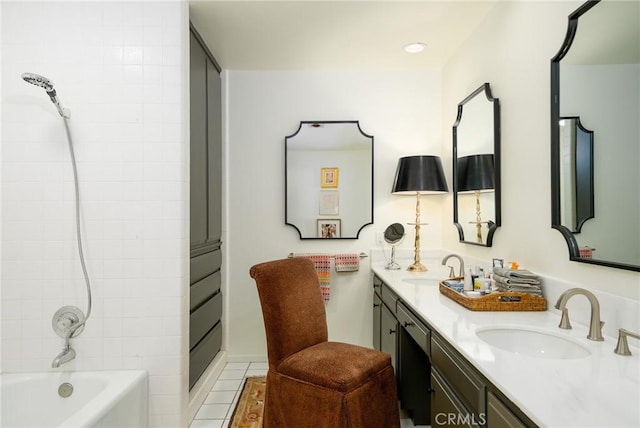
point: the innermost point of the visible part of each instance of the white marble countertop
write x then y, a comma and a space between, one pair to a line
600, 390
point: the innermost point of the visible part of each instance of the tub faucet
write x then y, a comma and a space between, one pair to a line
451, 271
64, 357
595, 325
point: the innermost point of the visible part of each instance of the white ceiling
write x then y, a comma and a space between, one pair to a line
334, 35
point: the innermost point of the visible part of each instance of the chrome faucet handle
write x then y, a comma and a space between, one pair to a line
622, 347
564, 320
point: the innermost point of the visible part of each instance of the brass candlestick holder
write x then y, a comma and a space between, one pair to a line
417, 266
478, 221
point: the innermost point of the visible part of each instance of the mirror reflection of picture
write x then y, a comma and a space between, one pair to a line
328, 228
345, 152
329, 177
329, 202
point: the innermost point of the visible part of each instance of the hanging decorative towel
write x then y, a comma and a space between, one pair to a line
322, 263
347, 262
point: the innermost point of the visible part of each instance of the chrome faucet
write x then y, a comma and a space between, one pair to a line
595, 325
64, 357
451, 271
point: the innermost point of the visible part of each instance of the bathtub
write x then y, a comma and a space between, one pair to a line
108, 399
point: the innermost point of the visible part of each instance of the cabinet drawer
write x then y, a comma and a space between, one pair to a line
204, 289
416, 329
205, 265
459, 375
204, 353
389, 298
203, 318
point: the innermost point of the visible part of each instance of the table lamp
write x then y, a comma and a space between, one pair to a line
419, 175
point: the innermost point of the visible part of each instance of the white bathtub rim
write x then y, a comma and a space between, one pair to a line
120, 383
105, 400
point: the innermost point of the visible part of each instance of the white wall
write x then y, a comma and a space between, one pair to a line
121, 70
512, 50
402, 112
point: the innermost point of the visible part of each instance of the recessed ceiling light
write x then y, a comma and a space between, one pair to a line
414, 47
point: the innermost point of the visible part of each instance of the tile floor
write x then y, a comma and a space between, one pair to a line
218, 407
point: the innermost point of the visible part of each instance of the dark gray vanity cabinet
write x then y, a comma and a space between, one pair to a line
397, 332
437, 386
205, 326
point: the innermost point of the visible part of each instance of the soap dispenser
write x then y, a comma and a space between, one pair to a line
468, 280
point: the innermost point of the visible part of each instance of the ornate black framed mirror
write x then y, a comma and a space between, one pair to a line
329, 180
476, 167
595, 137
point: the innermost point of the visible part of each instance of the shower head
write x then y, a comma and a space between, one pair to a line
36, 79
47, 85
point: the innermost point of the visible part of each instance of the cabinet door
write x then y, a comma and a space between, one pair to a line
447, 410
214, 153
377, 306
460, 375
198, 135
205, 104
499, 415
388, 334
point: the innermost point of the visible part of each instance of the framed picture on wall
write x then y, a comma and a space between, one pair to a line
329, 228
328, 178
329, 202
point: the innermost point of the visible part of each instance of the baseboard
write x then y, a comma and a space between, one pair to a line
260, 358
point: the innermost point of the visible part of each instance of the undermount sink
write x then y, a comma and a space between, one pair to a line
532, 343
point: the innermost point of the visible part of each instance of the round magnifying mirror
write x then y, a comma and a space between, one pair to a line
393, 235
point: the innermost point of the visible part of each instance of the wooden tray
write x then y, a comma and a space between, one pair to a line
497, 301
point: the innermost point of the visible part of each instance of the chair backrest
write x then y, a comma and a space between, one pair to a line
292, 306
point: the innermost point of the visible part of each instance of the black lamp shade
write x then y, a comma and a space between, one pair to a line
419, 174
475, 172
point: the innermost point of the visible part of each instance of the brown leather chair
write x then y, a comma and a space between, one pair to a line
312, 382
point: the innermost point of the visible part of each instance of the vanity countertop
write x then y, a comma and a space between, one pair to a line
600, 390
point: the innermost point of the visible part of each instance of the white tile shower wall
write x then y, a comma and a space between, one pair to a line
120, 67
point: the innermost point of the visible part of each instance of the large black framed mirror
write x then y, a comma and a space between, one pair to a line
595, 95
329, 179
476, 167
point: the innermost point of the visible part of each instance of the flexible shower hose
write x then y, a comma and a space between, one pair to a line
87, 282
